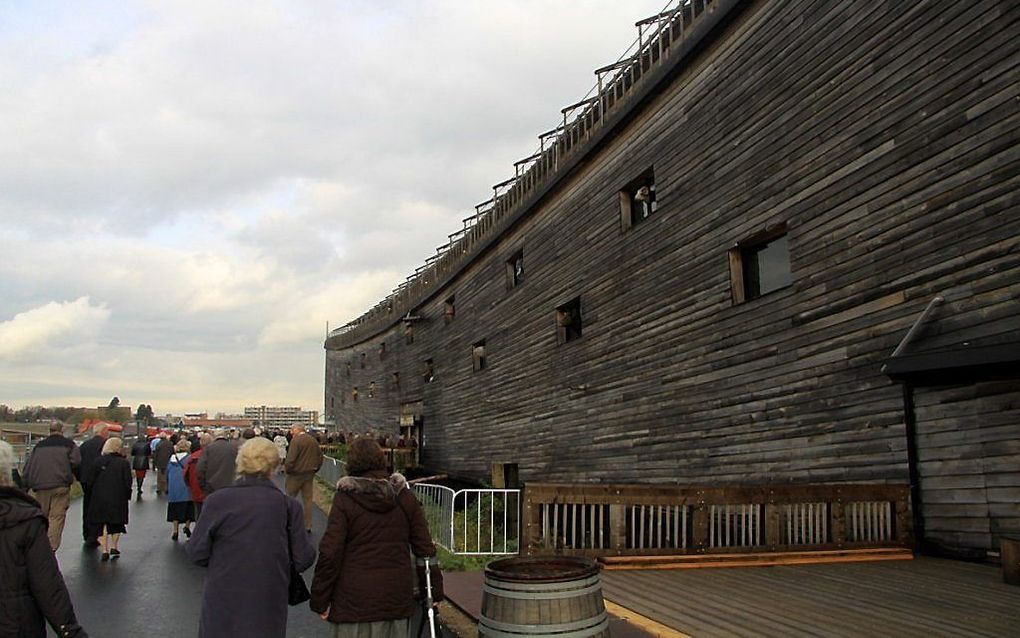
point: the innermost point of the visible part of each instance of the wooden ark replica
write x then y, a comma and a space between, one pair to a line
703, 273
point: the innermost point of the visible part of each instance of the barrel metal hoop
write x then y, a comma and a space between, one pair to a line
585, 623
542, 595
583, 633
505, 585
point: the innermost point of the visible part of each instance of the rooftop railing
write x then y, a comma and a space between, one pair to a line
616, 83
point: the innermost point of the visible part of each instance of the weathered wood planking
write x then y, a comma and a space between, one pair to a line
885, 136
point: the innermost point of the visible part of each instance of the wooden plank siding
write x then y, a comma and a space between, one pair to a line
968, 441
885, 136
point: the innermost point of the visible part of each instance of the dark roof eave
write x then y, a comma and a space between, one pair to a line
957, 365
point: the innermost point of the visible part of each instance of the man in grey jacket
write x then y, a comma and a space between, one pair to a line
50, 473
216, 467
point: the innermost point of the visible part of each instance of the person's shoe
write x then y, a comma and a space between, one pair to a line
114, 553
105, 557
187, 532
173, 537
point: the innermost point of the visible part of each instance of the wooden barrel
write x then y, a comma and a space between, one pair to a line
554, 596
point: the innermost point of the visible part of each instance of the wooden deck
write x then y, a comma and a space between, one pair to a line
923, 597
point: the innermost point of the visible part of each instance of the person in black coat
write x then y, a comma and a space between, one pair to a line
90, 451
110, 478
33, 590
140, 452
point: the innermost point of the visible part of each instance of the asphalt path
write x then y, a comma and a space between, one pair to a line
152, 589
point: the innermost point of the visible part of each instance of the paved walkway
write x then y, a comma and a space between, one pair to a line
153, 589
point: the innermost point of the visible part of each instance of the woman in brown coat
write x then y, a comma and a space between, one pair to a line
364, 574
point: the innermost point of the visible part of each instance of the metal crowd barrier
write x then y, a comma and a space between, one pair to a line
332, 470
472, 521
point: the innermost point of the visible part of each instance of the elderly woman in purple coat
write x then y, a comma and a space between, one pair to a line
247, 535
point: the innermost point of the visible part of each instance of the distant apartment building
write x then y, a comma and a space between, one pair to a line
274, 417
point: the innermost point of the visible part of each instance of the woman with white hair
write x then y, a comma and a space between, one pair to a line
179, 507
33, 589
248, 536
110, 478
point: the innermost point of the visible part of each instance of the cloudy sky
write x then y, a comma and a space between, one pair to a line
190, 190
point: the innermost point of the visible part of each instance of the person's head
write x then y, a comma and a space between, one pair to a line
205, 439
219, 433
296, 429
184, 445
99, 430
257, 457
7, 463
56, 428
248, 434
364, 455
113, 445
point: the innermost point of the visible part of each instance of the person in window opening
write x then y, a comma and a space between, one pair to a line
363, 581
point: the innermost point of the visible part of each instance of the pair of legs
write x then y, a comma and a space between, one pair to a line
302, 484
139, 479
108, 542
177, 527
54, 504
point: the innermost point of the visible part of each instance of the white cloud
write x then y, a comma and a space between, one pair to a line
37, 330
222, 178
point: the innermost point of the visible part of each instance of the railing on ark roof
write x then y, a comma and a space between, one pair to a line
615, 83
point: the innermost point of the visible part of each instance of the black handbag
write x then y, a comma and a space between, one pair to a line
297, 590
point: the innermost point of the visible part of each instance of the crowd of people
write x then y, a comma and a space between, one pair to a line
254, 539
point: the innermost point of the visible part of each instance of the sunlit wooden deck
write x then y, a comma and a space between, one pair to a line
922, 597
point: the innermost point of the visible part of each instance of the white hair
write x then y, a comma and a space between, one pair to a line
113, 446
257, 456
7, 463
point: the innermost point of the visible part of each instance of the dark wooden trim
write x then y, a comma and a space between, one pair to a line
914, 474
942, 366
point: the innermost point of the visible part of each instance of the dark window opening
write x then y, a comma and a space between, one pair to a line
332, 402
348, 366
515, 270
449, 310
382, 349
371, 389
568, 321
396, 380
637, 200
362, 360
478, 361
428, 374
760, 265
354, 393
408, 334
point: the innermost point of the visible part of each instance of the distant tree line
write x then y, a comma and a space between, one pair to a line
75, 415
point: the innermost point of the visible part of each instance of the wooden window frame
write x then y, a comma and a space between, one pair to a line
449, 309
626, 194
512, 279
478, 358
736, 257
566, 318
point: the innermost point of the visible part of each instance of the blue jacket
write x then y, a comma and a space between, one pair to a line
177, 489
